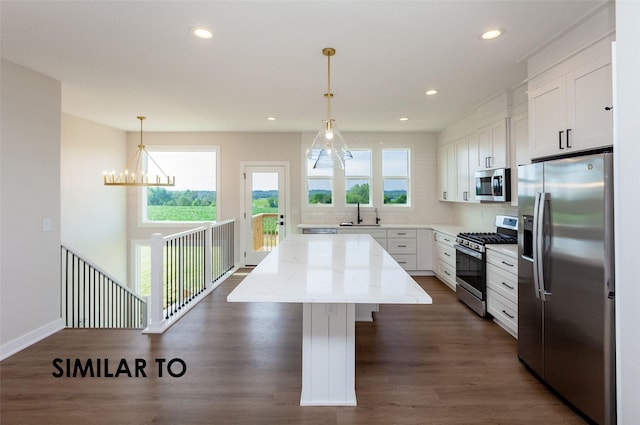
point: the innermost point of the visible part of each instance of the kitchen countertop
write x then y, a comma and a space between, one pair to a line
450, 229
329, 269
507, 249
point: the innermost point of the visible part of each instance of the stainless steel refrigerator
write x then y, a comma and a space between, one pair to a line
565, 279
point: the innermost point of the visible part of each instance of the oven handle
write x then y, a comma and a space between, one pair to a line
468, 251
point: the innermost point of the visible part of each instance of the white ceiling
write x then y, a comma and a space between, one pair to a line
120, 59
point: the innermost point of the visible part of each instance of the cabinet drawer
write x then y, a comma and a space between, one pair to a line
503, 311
503, 282
401, 246
447, 273
407, 262
445, 239
503, 261
401, 233
447, 254
349, 231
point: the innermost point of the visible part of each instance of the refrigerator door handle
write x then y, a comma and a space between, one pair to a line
535, 242
542, 199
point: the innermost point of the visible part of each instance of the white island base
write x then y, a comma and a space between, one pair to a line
328, 355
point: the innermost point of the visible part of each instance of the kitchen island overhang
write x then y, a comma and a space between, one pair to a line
329, 275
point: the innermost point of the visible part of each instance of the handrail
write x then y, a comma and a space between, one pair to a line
91, 298
185, 267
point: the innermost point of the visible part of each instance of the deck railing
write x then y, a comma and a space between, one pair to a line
185, 267
265, 231
91, 298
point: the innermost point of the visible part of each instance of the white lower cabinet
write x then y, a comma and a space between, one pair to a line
445, 258
502, 290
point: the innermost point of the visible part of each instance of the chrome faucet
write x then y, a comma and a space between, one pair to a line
359, 218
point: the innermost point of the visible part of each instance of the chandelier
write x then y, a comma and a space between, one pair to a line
328, 148
137, 177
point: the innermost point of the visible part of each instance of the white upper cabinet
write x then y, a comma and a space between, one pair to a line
492, 145
447, 172
569, 114
466, 166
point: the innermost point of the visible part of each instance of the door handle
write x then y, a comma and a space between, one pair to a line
282, 223
560, 139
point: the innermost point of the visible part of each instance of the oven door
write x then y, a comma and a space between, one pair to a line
470, 271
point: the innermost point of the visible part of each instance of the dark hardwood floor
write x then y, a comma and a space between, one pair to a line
429, 364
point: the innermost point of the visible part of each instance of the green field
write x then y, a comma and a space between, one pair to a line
179, 213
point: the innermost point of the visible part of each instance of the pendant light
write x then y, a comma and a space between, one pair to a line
328, 148
137, 176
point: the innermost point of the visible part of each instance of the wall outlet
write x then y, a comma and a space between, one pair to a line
46, 225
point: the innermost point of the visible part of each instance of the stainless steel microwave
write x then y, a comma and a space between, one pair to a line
493, 185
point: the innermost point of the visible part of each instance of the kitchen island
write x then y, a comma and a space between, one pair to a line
329, 275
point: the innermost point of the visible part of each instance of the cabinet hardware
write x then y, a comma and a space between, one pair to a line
401, 233
560, 139
507, 264
402, 262
447, 240
447, 254
447, 273
568, 144
465, 196
402, 246
444, 195
508, 286
608, 108
508, 315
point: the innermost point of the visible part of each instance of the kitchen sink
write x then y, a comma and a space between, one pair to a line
351, 224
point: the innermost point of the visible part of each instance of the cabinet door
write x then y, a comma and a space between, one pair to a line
447, 172
424, 248
474, 164
547, 118
519, 128
462, 168
498, 141
589, 91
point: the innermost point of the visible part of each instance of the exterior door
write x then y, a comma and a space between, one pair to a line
264, 224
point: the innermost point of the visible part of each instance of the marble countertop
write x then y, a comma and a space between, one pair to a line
450, 229
329, 269
507, 249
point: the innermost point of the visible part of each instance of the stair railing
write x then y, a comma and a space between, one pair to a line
185, 267
91, 298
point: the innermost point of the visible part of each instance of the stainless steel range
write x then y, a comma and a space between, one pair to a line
471, 281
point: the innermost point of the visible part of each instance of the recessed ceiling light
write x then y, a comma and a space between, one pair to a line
404, 119
202, 33
491, 34
431, 92
271, 118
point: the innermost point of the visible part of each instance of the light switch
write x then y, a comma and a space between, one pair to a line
46, 225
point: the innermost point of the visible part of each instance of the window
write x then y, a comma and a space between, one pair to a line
395, 176
193, 198
319, 185
357, 173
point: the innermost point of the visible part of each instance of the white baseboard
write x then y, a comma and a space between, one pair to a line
30, 338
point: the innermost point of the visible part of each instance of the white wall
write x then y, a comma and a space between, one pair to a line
234, 149
627, 153
93, 216
30, 188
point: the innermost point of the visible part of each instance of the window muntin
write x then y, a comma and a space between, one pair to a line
358, 178
395, 176
194, 197
319, 185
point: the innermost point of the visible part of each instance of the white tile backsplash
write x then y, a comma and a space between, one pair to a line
481, 217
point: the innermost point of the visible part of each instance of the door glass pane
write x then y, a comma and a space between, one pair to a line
264, 210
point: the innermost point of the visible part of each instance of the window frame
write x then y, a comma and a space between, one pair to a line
368, 178
407, 178
142, 191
